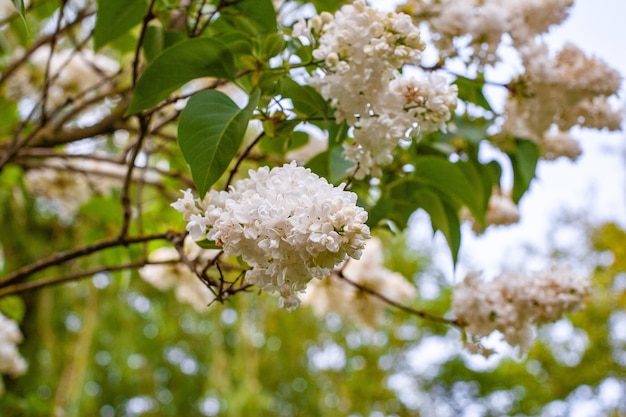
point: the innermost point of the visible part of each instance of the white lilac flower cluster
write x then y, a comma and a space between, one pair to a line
11, 362
561, 92
168, 272
363, 50
478, 26
68, 183
73, 71
501, 211
334, 294
287, 224
75, 76
513, 302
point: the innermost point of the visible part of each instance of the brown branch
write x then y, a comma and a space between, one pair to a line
407, 309
64, 256
47, 77
144, 26
125, 199
29, 286
55, 137
240, 159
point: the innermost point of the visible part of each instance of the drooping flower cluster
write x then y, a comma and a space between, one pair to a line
512, 302
478, 26
333, 294
11, 362
363, 50
501, 211
70, 182
287, 224
73, 71
168, 271
561, 92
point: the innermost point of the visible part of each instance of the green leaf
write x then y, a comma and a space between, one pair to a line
282, 142
404, 197
524, 161
13, 307
271, 45
330, 164
449, 179
307, 102
251, 16
207, 244
179, 64
471, 91
19, 5
210, 131
443, 217
116, 17
153, 42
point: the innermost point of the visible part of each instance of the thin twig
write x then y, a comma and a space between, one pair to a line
240, 159
407, 309
144, 27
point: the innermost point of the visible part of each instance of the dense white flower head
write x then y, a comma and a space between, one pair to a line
11, 362
363, 50
175, 274
288, 224
334, 294
512, 302
478, 26
560, 92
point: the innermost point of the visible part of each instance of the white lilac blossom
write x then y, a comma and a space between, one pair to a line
72, 71
11, 362
513, 302
363, 50
501, 211
167, 271
570, 89
555, 144
288, 224
67, 183
334, 294
478, 26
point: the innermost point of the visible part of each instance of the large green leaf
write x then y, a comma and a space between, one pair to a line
449, 179
307, 102
524, 162
408, 194
153, 42
116, 17
331, 164
181, 63
210, 131
471, 91
251, 16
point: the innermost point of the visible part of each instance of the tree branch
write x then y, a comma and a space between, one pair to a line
62, 257
407, 309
